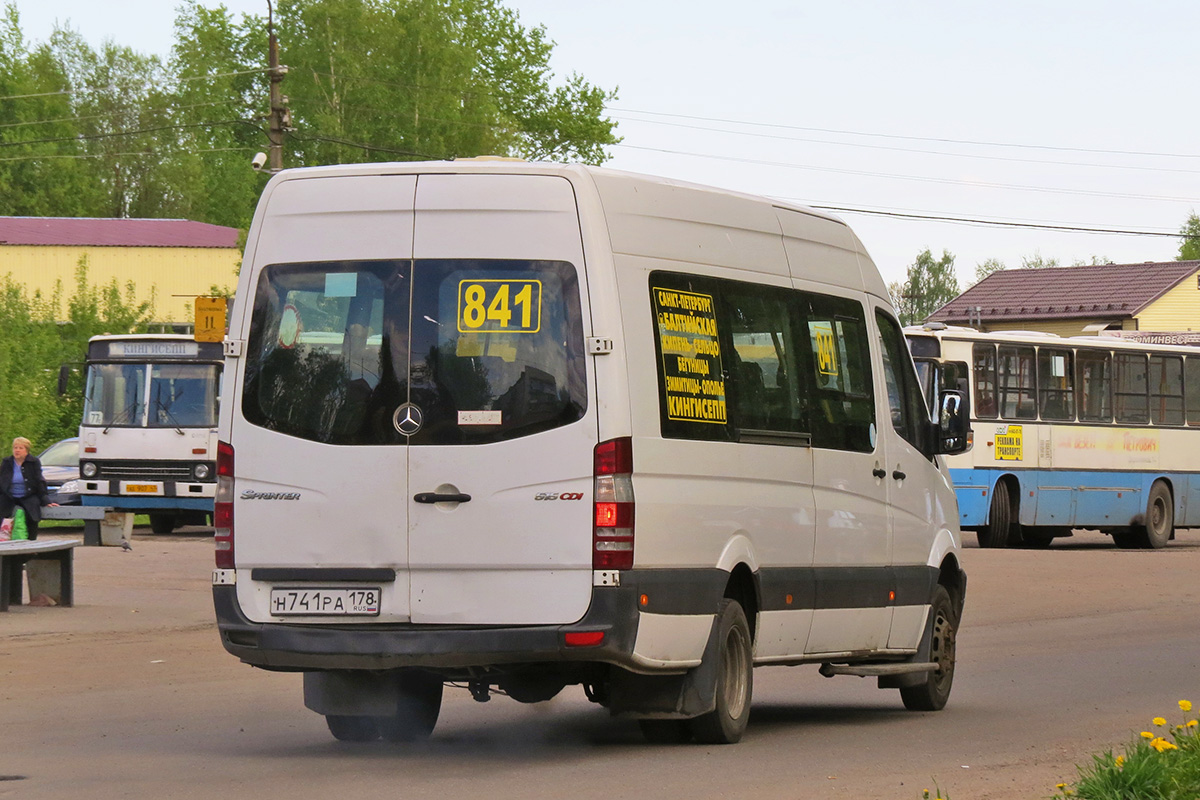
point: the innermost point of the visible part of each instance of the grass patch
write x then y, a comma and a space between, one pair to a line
1162, 763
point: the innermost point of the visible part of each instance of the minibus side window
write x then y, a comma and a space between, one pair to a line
1166, 390
766, 394
692, 356
842, 402
905, 401
1130, 388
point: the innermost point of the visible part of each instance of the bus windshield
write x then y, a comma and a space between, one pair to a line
159, 395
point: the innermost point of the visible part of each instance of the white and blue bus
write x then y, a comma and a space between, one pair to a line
147, 441
1082, 432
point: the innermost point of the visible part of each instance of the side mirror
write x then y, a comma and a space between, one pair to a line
64, 372
953, 426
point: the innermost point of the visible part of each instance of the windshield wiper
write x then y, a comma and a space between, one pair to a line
123, 416
163, 406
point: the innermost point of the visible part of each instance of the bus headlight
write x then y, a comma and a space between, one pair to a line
88, 469
201, 471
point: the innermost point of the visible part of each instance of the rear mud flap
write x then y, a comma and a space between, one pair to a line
668, 696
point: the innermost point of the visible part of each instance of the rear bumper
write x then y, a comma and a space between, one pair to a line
614, 611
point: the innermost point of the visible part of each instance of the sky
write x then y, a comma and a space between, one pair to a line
1061, 114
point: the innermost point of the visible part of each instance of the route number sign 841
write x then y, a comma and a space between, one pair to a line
499, 306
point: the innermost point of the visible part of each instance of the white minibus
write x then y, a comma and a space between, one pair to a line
526, 426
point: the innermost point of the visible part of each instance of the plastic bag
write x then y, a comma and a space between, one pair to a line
6, 529
19, 529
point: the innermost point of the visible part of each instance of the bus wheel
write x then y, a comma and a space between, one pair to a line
162, 523
995, 533
933, 692
1160, 518
353, 729
417, 710
726, 723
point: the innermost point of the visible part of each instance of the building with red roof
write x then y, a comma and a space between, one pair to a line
1154, 296
171, 261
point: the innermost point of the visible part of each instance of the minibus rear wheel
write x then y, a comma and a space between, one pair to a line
726, 723
353, 729
933, 692
417, 708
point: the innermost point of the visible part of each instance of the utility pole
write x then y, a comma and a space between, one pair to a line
279, 119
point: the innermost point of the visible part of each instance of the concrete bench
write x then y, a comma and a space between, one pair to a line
49, 564
93, 520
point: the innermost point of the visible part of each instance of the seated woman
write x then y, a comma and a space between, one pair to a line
22, 486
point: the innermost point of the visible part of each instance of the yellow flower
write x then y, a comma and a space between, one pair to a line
1159, 721
1147, 735
1185, 705
1160, 744
1192, 723
1060, 786
1120, 761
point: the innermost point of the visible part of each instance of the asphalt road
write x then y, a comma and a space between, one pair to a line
129, 694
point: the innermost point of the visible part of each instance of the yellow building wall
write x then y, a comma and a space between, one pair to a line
1070, 327
1177, 310
175, 276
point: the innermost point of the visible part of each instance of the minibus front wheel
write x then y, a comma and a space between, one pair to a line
941, 633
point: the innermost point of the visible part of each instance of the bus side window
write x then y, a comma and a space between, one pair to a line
1166, 390
1131, 386
985, 380
1016, 382
1095, 386
1056, 384
1192, 386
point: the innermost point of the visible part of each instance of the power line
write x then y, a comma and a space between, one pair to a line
940, 140
995, 223
951, 181
48, 156
894, 148
117, 134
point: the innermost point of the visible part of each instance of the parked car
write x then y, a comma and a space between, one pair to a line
60, 468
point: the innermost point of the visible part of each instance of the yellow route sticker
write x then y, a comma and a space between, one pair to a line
691, 356
499, 306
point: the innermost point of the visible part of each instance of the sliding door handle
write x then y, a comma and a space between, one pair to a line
434, 497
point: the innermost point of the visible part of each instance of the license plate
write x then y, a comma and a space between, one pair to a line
142, 488
325, 602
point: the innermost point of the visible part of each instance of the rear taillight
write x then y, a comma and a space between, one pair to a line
223, 507
612, 535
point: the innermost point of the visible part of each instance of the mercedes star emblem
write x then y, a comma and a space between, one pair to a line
407, 419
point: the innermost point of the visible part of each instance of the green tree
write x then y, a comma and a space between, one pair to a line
929, 284
1189, 244
40, 338
1036, 261
987, 268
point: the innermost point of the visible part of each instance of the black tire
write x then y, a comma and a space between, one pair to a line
1127, 540
666, 731
726, 723
1000, 517
417, 709
353, 729
942, 631
1160, 517
162, 523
